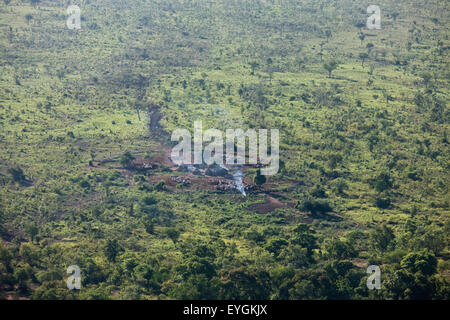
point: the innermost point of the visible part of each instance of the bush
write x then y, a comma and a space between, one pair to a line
382, 203
315, 206
259, 179
85, 184
126, 159
173, 234
149, 200
382, 237
17, 174
423, 262
275, 245
148, 225
111, 250
338, 249
160, 185
318, 192
383, 182
253, 235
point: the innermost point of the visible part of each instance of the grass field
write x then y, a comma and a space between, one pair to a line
368, 142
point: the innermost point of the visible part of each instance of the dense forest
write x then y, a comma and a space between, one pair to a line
86, 179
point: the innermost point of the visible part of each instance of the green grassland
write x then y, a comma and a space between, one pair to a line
368, 142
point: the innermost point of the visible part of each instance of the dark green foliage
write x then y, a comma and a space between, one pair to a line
416, 279
32, 230
382, 202
316, 206
259, 179
330, 66
5, 257
173, 234
275, 245
85, 184
423, 262
244, 284
111, 250
318, 192
149, 225
338, 249
305, 237
160, 185
381, 238
254, 235
196, 287
126, 159
17, 174
383, 182
86, 178
149, 200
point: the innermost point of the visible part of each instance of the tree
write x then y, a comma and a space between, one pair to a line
338, 249
126, 159
138, 105
111, 250
244, 284
363, 56
197, 287
259, 179
362, 36
382, 202
318, 192
315, 206
253, 66
22, 275
17, 174
295, 256
330, 66
253, 235
5, 257
275, 245
383, 182
328, 34
148, 225
311, 284
334, 159
159, 186
394, 16
426, 78
28, 17
433, 239
32, 230
340, 186
305, 237
382, 237
387, 96
173, 234
29, 253
423, 262
148, 200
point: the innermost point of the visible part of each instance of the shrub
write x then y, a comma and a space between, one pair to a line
275, 245
315, 206
126, 159
258, 178
383, 182
17, 174
382, 203
173, 234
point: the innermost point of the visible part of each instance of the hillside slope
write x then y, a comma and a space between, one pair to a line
85, 176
